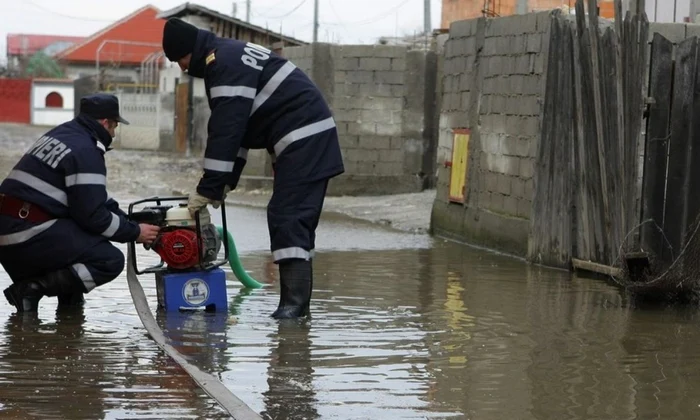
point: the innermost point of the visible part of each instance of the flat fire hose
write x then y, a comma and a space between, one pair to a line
209, 383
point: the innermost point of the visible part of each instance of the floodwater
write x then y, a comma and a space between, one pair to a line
404, 326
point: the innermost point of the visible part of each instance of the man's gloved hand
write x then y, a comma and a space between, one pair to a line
199, 202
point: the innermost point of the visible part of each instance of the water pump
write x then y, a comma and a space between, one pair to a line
178, 243
188, 275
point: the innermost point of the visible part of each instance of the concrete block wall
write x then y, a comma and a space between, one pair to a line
380, 97
493, 84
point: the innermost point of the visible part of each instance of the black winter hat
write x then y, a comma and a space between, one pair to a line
179, 38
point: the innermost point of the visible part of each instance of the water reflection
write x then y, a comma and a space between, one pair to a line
400, 333
291, 393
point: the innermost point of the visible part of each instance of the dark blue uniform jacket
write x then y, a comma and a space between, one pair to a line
64, 173
260, 100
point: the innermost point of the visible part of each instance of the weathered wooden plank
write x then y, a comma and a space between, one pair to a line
681, 117
594, 267
637, 70
540, 247
595, 71
614, 144
591, 166
584, 234
563, 151
551, 237
693, 157
656, 145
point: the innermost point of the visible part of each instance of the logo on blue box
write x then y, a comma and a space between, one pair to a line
195, 292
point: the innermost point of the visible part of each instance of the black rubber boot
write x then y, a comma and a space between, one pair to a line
25, 295
72, 300
307, 309
295, 289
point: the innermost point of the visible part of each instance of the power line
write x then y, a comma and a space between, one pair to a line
286, 14
375, 18
53, 12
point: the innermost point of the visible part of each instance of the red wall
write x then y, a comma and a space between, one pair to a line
15, 100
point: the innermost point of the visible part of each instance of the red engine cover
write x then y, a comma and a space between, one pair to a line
178, 248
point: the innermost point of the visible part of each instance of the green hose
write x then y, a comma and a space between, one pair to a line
235, 262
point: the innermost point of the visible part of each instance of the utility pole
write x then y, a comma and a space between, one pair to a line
247, 10
426, 16
315, 20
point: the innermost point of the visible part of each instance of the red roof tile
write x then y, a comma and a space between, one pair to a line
140, 27
28, 44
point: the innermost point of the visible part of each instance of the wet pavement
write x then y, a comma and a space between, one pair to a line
404, 326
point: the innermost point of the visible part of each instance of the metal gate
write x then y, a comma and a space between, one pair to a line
142, 110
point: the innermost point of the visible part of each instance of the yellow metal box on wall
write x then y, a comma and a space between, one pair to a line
458, 165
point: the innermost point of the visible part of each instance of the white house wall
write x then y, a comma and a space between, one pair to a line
168, 77
41, 115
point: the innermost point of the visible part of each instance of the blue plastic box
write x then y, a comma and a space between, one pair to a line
195, 290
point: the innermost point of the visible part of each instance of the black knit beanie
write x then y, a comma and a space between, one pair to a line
179, 38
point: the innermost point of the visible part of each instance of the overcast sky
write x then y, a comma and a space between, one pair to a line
344, 21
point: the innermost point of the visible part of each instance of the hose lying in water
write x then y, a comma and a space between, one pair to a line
209, 383
235, 262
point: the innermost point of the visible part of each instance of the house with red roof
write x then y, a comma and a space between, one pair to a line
21, 47
120, 49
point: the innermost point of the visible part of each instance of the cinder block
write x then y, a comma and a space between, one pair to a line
386, 116
380, 103
497, 203
524, 209
466, 98
398, 142
354, 155
529, 105
517, 188
527, 168
374, 142
349, 141
348, 63
531, 85
491, 46
397, 64
544, 21
389, 51
504, 184
532, 146
384, 129
490, 181
360, 76
530, 127
461, 28
390, 155
341, 127
346, 115
398, 91
491, 143
375, 63
359, 129
510, 205
534, 43
529, 189
521, 64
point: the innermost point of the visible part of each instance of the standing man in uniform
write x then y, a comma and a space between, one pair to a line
56, 219
259, 100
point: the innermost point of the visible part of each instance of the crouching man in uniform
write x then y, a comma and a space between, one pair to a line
259, 100
56, 220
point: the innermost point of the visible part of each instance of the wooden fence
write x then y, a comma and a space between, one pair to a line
586, 182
